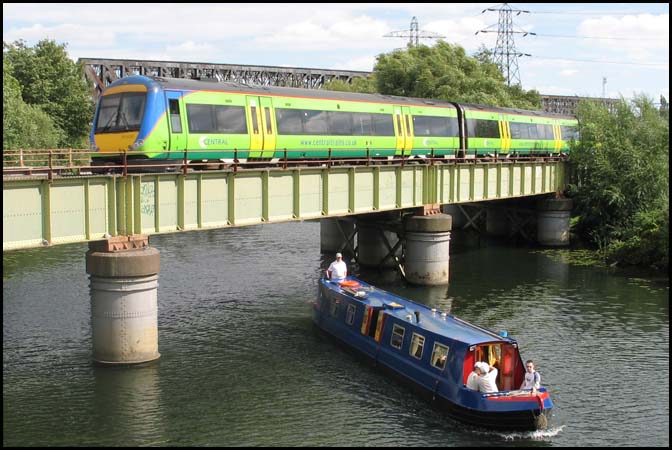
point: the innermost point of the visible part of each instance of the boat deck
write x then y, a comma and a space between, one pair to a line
430, 320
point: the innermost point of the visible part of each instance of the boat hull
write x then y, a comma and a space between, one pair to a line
507, 410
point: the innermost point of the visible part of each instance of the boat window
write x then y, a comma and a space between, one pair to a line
334, 307
439, 356
397, 336
417, 345
350, 314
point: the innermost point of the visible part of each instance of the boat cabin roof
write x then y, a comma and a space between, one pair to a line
433, 321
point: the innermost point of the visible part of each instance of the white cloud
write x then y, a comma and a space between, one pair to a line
568, 72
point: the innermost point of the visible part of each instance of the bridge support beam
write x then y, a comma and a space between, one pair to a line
124, 279
553, 221
497, 222
428, 249
377, 246
336, 234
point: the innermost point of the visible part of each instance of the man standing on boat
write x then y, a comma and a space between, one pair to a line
337, 271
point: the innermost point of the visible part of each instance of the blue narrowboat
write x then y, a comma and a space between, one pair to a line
435, 352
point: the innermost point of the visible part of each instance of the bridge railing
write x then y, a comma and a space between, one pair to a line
73, 162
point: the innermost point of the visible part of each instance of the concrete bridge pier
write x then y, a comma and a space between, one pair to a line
124, 280
553, 221
428, 249
336, 234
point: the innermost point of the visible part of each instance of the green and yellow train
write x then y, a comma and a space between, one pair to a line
159, 119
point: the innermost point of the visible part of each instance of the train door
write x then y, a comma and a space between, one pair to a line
262, 127
177, 134
505, 135
268, 126
557, 138
399, 131
408, 128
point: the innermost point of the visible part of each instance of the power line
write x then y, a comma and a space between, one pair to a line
597, 37
602, 61
593, 13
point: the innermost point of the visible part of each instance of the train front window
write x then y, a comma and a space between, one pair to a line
120, 112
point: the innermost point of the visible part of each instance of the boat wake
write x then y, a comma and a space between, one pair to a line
537, 435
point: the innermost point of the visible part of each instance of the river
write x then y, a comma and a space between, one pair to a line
242, 364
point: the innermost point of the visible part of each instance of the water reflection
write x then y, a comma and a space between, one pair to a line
127, 401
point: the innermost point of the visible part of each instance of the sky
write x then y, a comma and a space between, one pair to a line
575, 49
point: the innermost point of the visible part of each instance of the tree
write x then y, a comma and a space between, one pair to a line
50, 80
24, 126
620, 180
445, 72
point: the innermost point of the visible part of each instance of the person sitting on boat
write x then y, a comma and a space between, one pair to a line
337, 270
472, 380
532, 378
488, 375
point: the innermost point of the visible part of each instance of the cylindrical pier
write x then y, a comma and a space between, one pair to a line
428, 249
124, 308
553, 221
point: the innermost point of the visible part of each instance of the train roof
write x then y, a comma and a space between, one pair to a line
449, 326
214, 85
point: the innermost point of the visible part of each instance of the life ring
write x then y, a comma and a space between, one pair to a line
349, 283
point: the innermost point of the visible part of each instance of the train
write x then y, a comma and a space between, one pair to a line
156, 120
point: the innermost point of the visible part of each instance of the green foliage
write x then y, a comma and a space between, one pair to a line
445, 72
620, 180
359, 84
23, 125
51, 81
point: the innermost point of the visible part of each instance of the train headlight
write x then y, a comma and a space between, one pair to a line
136, 145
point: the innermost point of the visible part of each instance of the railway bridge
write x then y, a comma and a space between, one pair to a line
54, 205
57, 205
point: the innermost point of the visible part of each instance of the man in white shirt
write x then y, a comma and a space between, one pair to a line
472, 380
337, 271
486, 382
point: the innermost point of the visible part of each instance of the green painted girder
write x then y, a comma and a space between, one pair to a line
39, 212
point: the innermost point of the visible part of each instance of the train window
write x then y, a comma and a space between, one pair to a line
515, 130
216, 119
532, 130
269, 125
545, 132
120, 112
362, 124
175, 121
315, 122
255, 123
340, 123
439, 356
408, 126
230, 119
350, 314
289, 121
569, 133
382, 125
435, 126
417, 345
480, 128
397, 339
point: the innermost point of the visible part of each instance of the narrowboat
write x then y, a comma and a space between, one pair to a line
434, 352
